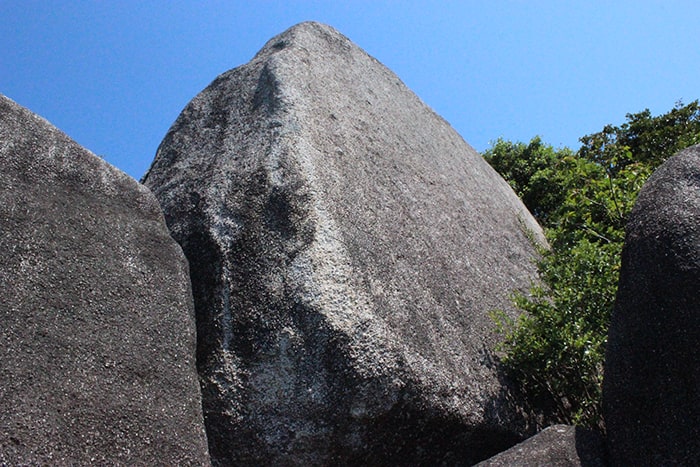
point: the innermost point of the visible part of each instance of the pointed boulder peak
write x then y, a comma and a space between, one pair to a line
346, 248
307, 35
97, 349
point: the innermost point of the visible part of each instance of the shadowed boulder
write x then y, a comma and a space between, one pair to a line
346, 246
555, 446
651, 390
97, 345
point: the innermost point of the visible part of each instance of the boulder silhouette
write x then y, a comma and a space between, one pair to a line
97, 354
651, 389
346, 247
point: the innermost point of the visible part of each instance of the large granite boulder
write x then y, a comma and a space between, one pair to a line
97, 349
346, 246
651, 390
555, 446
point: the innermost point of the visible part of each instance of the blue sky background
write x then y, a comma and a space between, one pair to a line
114, 75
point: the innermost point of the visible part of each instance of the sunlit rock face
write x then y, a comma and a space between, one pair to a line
346, 246
652, 364
97, 341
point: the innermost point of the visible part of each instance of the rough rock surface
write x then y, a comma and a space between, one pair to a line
98, 336
346, 246
651, 391
555, 446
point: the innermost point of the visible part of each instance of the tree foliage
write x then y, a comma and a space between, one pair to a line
555, 349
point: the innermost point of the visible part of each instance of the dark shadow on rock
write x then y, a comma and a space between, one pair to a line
535, 414
590, 446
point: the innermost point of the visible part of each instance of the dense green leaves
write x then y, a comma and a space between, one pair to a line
533, 171
555, 349
643, 138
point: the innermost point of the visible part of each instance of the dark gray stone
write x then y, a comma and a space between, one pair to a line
346, 246
555, 446
97, 349
651, 390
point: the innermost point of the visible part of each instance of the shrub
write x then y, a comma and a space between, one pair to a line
555, 349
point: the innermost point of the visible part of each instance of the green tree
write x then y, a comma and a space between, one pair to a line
644, 139
533, 171
555, 349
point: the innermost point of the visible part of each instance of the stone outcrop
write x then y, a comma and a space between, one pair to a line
651, 388
346, 246
97, 344
555, 446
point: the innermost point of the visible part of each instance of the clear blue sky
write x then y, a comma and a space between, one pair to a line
114, 75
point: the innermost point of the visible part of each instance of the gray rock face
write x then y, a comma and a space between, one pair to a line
651, 391
97, 345
555, 446
346, 246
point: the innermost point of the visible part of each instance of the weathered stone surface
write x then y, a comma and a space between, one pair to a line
346, 246
555, 446
98, 336
651, 390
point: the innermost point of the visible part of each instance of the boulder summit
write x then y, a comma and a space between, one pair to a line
346, 246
